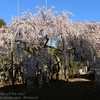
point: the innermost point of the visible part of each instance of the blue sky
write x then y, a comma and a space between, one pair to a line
82, 9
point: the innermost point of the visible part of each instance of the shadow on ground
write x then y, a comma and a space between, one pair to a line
58, 90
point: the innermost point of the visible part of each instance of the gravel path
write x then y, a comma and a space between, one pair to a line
78, 80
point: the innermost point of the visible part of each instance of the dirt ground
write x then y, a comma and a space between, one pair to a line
75, 89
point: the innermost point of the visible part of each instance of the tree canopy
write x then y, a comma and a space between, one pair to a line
34, 31
2, 23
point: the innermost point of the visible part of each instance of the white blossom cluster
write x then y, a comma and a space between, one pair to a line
32, 29
34, 65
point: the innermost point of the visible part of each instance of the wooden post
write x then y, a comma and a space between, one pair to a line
64, 64
65, 69
46, 5
12, 65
